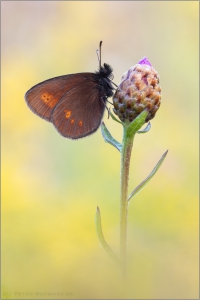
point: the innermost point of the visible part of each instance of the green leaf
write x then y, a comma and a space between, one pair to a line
136, 124
144, 182
114, 118
101, 237
146, 129
108, 137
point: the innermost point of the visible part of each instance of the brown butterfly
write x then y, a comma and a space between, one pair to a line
74, 103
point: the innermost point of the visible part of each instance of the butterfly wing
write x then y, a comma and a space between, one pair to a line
43, 97
80, 110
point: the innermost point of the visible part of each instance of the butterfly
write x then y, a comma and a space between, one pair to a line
74, 103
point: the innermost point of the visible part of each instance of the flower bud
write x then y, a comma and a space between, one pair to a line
138, 90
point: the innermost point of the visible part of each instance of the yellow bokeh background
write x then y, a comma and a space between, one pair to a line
52, 185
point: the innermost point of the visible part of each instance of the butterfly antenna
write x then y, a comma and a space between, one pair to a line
100, 54
97, 51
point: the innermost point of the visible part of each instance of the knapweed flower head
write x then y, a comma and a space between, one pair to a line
139, 90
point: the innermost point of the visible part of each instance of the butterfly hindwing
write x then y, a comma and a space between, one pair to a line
80, 110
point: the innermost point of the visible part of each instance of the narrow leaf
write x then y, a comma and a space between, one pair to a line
136, 124
101, 237
146, 129
143, 183
108, 137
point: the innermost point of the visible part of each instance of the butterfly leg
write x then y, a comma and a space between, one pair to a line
104, 99
114, 84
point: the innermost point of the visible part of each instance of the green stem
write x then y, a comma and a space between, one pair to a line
125, 164
125, 148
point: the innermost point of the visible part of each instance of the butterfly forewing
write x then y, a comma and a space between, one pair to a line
43, 97
80, 110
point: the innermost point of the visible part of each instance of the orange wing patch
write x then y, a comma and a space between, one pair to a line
67, 113
80, 123
49, 99
72, 121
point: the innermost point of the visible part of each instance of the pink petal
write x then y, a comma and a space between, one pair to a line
145, 61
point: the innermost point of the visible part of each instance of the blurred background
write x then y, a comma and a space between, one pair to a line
52, 185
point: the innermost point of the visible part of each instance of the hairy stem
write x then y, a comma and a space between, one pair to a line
125, 164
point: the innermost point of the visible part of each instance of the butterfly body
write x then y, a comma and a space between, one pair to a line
74, 103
